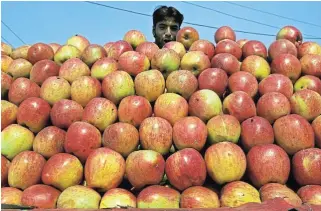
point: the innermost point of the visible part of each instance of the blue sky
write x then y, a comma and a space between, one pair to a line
57, 21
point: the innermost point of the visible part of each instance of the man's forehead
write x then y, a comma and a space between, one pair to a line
169, 22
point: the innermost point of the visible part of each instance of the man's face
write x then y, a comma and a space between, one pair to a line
165, 31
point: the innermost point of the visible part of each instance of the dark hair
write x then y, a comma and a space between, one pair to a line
163, 12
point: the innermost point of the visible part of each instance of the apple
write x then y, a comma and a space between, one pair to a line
118, 198
157, 196
8, 113
238, 193
66, 52
276, 83
84, 89
20, 52
177, 47
73, 69
257, 66
205, 46
6, 49
19, 68
25, 169
308, 82
15, 139
21, 89
240, 105
107, 46
117, 85
254, 47
311, 65
54, 46
42, 70
81, 139
281, 46
101, 162
40, 51
78, 41
229, 46
288, 65
171, 107
134, 38
306, 166
34, 114
316, 124
274, 190
309, 48
118, 48
148, 49
103, 67
214, 79
243, 81
182, 82
62, 170
155, 133
134, 109
290, 33
40, 196
92, 53
166, 60
144, 167
293, 133
199, 197
150, 84
133, 62
11, 195
189, 132
224, 32
6, 61
204, 104
256, 131
272, 106
225, 162
55, 89
241, 42
226, 62
5, 164
121, 137
306, 103
78, 197
187, 36
6, 81
49, 141
195, 61
310, 194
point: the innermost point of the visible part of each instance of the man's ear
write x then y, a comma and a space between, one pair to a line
153, 31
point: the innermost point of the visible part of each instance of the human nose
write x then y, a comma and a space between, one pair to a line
168, 32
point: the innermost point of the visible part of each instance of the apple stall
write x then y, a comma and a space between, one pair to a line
225, 124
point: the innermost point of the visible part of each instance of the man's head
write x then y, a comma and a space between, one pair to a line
166, 23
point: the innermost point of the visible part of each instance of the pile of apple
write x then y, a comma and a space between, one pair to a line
191, 125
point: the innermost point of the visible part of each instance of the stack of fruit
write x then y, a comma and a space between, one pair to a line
190, 125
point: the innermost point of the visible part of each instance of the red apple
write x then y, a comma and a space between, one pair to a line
288, 65
309, 48
204, 104
20, 52
226, 62
134, 109
199, 197
107, 46
182, 82
6, 61
171, 107
5, 164
19, 68
177, 47
148, 49
21, 89
225, 162
290, 33
306, 166
42, 70
240, 105
49, 141
256, 131
84, 89
257, 66
6, 81
25, 170
102, 162
117, 85
54, 46
316, 124
229, 46
40, 196
187, 36
118, 198
62, 170
241, 42
144, 167
11, 195
8, 113
79, 42
66, 52
205, 46
254, 47
133, 62
118, 48
166, 60
73, 69
308, 82
134, 38
92, 53
272, 106
214, 79
81, 139
310, 194
121, 137
243, 81
189, 132
311, 65
40, 51
276, 83
281, 46
155, 133
224, 32
103, 67
55, 89
293, 133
